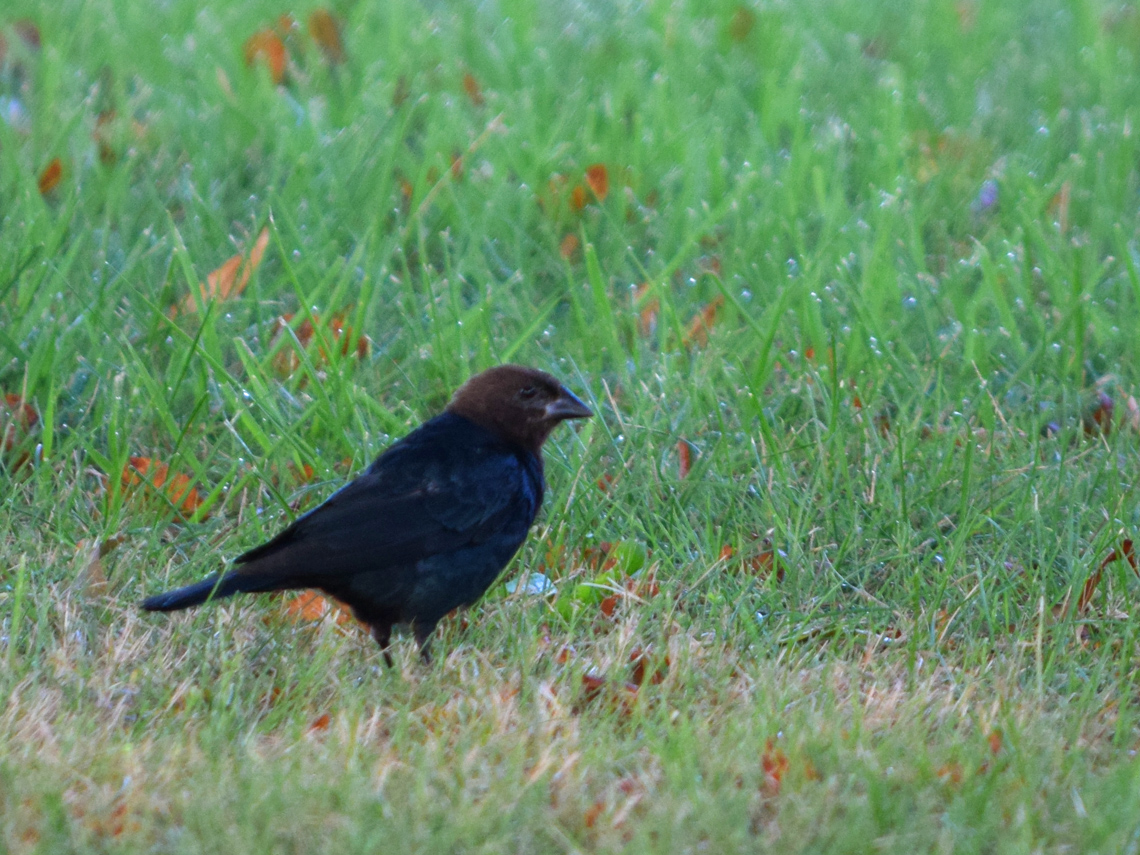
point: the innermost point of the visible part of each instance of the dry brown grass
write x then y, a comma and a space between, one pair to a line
132, 732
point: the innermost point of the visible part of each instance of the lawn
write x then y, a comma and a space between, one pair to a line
843, 563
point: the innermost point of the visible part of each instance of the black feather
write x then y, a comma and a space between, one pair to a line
429, 525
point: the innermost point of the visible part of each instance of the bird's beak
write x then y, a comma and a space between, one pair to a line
567, 406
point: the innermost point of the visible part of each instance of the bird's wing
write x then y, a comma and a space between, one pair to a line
433, 492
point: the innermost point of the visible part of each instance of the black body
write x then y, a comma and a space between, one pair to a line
428, 527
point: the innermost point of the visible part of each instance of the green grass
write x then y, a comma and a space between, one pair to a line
890, 343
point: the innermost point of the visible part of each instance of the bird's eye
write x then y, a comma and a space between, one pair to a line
528, 393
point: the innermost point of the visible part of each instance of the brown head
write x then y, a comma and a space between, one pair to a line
522, 405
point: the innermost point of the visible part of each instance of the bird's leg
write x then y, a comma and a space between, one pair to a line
382, 632
423, 633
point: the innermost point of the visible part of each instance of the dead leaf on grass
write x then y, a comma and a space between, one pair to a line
266, 47
230, 279
148, 477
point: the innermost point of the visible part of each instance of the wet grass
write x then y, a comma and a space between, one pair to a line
852, 312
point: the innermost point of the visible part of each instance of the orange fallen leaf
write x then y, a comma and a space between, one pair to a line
266, 46
774, 763
592, 684
1099, 418
51, 176
17, 418
593, 812
697, 333
621, 696
472, 88
643, 584
321, 722
569, 246
684, 458
306, 606
608, 605
599, 180
116, 823
154, 476
325, 30
1059, 206
578, 197
407, 190
995, 740
309, 606
1089, 590
1123, 553
951, 772
637, 658
286, 361
230, 279
630, 785
767, 560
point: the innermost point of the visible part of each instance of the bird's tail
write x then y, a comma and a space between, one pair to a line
214, 588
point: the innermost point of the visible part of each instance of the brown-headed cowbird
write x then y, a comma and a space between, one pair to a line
429, 525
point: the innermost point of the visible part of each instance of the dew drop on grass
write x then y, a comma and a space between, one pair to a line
745, 295
910, 303
535, 584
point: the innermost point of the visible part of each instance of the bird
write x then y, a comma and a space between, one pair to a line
429, 525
